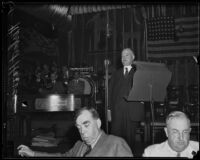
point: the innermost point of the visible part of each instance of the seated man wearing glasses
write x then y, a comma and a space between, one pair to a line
178, 143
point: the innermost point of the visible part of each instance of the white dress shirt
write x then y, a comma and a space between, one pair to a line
164, 150
129, 68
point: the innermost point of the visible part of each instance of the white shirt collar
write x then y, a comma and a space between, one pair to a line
129, 68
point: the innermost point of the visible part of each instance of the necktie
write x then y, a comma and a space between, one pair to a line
178, 154
126, 72
88, 149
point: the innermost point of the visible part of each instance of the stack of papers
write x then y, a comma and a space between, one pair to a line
44, 141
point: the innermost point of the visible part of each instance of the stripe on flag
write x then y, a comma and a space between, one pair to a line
178, 38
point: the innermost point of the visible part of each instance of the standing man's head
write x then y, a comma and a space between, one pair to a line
178, 130
88, 124
127, 57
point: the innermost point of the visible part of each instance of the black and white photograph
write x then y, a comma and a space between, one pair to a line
100, 80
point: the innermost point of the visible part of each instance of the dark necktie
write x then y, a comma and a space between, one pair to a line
87, 151
126, 72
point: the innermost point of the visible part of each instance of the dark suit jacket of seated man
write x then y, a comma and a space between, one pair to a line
102, 144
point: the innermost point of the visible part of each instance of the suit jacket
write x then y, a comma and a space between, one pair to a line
119, 88
106, 146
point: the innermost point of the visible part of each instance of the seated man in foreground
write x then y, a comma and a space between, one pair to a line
95, 142
178, 144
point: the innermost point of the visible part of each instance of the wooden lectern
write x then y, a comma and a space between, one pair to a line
150, 83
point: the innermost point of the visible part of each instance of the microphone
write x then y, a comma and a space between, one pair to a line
106, 62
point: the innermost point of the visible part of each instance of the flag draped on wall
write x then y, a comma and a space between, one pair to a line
172, 37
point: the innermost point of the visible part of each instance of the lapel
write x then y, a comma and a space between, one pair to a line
131, 72
99, 143
133, 69
79, 149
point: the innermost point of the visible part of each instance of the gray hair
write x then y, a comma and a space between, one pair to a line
176, 114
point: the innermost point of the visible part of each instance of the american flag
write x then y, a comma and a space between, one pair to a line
172, 37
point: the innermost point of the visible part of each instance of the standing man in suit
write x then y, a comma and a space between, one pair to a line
125, 115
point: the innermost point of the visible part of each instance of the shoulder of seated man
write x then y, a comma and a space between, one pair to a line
116, 139
194, 145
